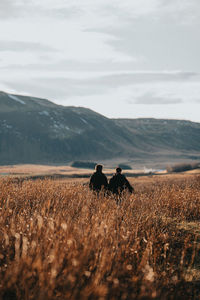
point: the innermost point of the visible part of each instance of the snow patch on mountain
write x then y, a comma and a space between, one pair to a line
16, 99
5, 125
44, 113
84, 121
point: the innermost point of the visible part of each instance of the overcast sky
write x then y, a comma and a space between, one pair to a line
131, 58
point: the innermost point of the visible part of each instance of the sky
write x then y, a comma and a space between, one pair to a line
123, 59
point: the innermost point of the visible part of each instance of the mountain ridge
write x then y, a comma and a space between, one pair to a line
34, 130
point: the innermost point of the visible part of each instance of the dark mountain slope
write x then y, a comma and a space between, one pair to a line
164, 134
36, 130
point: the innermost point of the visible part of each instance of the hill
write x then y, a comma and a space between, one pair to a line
170, 140
34, 130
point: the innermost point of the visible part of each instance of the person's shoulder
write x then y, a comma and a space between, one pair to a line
119, 175
113, 176
94, 174
123, 177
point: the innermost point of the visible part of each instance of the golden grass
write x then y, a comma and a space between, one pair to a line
60, 241
31, 169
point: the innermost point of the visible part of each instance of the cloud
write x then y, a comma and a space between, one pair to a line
6, 8
87, 52
164, 93
183, 11
121, 9
15, 8
145, 88
71, 41
150, 99
133, 78
133, 88
166, 99
127, 84
136, 31
99, 13
23, 46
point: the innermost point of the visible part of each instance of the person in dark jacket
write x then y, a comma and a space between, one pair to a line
98, 180
118, 183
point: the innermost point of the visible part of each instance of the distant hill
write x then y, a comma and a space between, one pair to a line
155, 134
34, 130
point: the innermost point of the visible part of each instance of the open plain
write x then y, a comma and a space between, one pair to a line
61, 241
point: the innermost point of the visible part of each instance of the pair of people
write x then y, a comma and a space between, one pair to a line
117, 184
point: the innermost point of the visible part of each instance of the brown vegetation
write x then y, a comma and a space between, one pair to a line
60, 241
183, 167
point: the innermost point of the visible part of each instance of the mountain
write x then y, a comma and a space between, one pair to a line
37, 130
163, 134
34, 130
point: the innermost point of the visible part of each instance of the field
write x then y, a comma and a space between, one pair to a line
53, 171
60, 241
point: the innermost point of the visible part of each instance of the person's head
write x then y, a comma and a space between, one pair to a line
99, 168
118, 170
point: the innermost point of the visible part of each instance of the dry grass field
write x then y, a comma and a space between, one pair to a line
31, 170
60, 241
42, 170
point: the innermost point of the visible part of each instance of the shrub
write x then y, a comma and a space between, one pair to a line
183, 167
125, 167
83, 164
